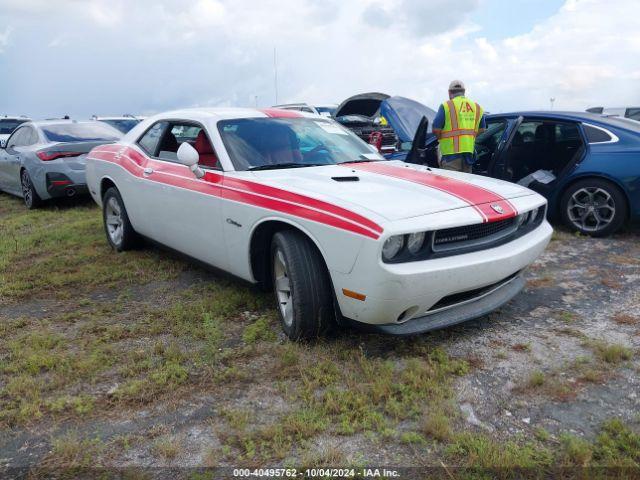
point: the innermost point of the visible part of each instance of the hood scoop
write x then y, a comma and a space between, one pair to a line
346, 179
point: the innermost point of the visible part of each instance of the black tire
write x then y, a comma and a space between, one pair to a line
126, 238
603, 200
31, 198
310, 290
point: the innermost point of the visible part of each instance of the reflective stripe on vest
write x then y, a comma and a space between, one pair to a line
462, 121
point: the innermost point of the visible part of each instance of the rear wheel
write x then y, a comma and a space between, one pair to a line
594, 207
301, 286
29, 195
120, 234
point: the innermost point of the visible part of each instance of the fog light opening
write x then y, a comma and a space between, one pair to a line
407, 314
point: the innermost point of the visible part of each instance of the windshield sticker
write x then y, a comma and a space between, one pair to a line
331, 128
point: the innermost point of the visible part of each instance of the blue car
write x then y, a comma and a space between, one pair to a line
587, 165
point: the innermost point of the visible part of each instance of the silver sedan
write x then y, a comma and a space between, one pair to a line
44, 160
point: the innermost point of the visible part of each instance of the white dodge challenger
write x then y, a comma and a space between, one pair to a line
299, 204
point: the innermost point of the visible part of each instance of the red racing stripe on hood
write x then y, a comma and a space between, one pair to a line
490, 205
262, 189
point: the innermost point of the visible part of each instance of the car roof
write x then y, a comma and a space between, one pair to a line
609, 121
15, 117
117, 117
60, 121
568, 115
222, 113
301, 104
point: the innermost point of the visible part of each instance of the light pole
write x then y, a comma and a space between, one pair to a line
275, 72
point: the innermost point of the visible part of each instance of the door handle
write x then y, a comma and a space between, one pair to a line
147, 171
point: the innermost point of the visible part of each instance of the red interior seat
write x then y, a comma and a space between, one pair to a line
208, 157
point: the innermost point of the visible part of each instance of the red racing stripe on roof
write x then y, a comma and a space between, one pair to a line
486, 202
281, 113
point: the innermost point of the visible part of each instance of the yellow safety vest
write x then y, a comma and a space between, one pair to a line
461, 123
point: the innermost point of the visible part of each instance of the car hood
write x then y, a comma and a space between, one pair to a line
386, 196
366, 104
404, 116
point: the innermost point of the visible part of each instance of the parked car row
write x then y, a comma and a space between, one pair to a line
8, 125
46, 159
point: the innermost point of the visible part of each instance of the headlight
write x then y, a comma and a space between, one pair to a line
522, 219
392, 246
414, 242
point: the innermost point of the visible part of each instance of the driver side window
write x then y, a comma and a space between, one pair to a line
18, 139
164, 138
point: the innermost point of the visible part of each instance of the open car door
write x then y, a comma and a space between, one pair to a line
424, 148
492, 161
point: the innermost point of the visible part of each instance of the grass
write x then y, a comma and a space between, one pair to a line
616, 445
92, 334
260, 330
609, 353
549, 384
536, 380
166, 448
57, 251
70, 451
521, 347
626, 319
98, 335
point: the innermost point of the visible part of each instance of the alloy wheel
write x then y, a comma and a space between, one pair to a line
283, 287
114, 220
591, 209
27, 193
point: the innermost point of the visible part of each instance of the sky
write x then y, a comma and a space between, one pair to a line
108, 57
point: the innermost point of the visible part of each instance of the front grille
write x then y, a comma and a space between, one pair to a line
452, 237
471, 238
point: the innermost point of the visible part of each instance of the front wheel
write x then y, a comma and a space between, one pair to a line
120, 232
301, 286
594, 207
29, 195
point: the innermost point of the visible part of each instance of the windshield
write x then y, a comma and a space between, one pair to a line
80, 132
258, 143
123, 125
8, 126
327, 111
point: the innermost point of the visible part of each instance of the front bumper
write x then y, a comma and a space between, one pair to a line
464, 311
401, 294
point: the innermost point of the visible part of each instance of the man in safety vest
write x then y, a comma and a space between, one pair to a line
458, 121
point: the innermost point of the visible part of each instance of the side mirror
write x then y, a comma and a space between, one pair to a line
189, 156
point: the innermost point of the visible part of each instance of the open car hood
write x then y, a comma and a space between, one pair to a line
404, 116
366, 104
